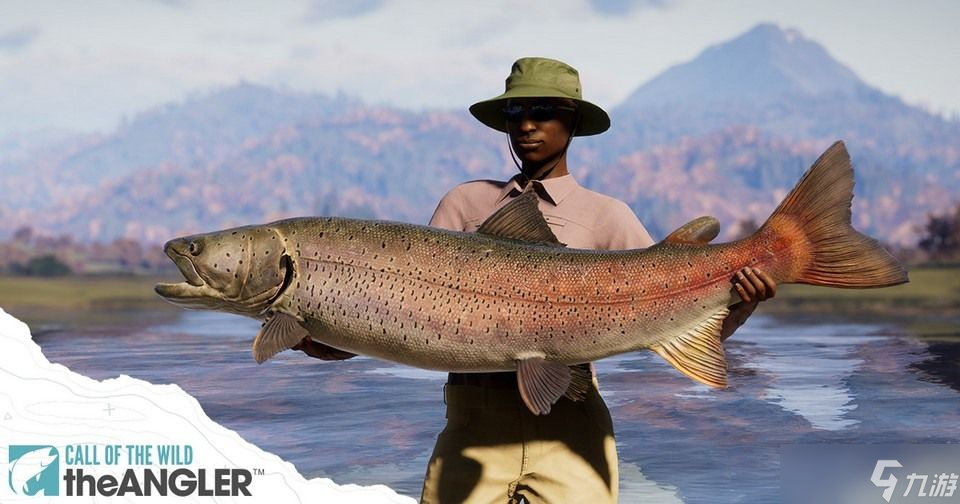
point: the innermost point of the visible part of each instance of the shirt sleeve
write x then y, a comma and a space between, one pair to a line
449, 212
623, 230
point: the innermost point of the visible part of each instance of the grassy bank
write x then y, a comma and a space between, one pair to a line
83, 301
932, 290
79, 292
928, 306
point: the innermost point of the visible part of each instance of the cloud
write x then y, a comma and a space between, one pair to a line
179, 4
624, 7
18, 39
324, 10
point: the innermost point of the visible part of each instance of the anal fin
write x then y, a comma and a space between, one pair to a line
279, 333
698, 352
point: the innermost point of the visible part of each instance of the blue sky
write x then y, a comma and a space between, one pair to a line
85, 65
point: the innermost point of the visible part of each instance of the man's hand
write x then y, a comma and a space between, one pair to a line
753, 286
321, 351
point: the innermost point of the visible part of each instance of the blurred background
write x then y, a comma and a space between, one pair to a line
123, 124
126, 123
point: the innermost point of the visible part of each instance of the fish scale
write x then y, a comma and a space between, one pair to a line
510, 296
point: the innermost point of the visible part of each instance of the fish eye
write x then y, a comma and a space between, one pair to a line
194, 248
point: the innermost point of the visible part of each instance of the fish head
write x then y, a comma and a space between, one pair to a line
242, 270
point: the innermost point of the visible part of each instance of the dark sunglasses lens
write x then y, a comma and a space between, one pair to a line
542, 113
539, 113
513, 113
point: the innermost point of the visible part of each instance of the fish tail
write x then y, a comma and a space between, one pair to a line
815, 218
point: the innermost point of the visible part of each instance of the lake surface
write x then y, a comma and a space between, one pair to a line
367, 421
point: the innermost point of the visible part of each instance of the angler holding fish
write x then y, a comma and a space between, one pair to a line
541, 111
512, 297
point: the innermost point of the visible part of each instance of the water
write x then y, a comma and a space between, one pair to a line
367, 421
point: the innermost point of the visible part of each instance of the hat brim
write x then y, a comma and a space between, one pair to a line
593, 119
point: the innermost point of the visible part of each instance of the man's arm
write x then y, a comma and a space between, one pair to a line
321, 351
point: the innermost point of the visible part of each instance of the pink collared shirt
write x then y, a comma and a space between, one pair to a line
579, 217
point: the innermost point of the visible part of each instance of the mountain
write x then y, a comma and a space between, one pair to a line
20, 147
248, 154
367, 163
765, 64
200, 130
727, 133
786, 91
784, 84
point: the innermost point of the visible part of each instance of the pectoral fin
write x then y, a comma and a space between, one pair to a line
698, 353
543, 382
279, 333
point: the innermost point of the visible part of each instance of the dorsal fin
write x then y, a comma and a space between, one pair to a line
699, 231
520, 220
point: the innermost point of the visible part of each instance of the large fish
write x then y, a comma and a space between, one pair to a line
510, 297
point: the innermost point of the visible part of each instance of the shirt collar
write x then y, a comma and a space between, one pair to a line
553, 190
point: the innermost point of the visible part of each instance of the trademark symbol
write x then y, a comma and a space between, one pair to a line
258, 472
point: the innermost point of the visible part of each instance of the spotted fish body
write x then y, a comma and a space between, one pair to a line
509, 297
469, 302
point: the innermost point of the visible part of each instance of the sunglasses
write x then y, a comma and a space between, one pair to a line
539, 113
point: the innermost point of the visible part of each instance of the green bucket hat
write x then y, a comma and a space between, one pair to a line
542, 78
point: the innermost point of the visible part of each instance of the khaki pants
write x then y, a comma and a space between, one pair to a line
493, 450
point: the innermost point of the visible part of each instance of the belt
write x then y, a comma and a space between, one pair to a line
491, 380
506, 380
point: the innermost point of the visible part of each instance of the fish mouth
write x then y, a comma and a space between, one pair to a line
193, 287
189, 296
186, 266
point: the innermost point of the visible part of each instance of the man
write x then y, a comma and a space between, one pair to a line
493, 448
